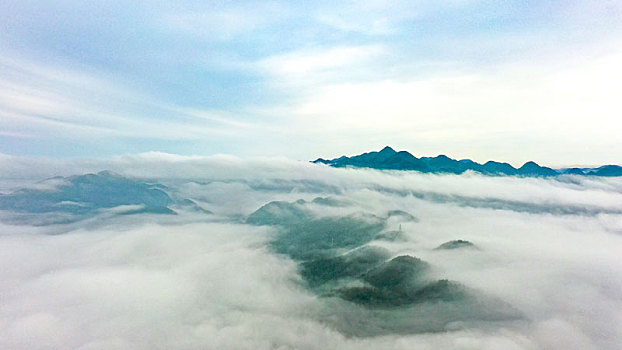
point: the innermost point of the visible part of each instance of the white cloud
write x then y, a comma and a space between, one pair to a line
225, 21
381, 17
173, 282
306, 63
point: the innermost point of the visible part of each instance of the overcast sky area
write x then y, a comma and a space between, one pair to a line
511, 81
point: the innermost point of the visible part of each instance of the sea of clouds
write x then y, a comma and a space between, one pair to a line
550, 248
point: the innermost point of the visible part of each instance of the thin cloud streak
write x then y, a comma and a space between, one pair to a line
41, 102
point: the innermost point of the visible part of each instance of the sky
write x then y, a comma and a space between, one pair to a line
511, 81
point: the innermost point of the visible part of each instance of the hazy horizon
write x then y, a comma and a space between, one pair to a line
28, 163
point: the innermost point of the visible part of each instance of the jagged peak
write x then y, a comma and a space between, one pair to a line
387, 149
389, 159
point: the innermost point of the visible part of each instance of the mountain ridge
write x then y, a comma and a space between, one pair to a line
389, 159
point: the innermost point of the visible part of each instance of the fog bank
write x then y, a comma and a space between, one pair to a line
546, 249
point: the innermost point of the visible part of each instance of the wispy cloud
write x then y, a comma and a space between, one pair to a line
39, 101
462, 77
224, 21
306, 63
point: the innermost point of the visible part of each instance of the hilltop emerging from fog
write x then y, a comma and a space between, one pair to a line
390, 159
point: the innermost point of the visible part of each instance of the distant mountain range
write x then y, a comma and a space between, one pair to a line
73, 198
388, 158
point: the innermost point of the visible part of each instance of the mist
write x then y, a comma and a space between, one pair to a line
236, 268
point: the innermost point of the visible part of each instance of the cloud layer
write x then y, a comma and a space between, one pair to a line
197, 280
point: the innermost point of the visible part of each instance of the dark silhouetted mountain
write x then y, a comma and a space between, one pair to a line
574, 171
607, 170
322, 161
497, 168
401, 281
401, 214
190, 205
338, 257
84, 193
278, 213
389, 159
304, 236
350, 265
403, 271
444, 164
69, 199
471, 165
533, 169
459, 243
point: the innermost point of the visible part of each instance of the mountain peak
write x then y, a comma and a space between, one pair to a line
530, 164
533, 169
387, 149
389, 159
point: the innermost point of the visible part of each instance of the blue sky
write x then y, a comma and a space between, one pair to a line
510, 80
